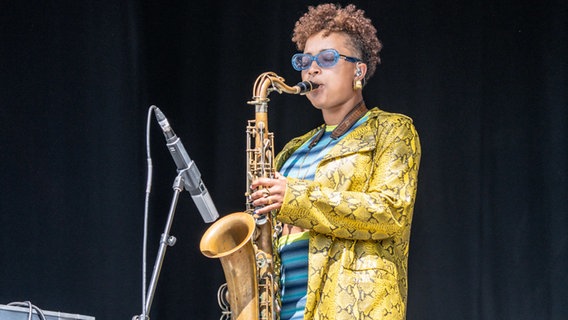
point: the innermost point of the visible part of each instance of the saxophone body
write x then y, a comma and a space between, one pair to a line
246, 243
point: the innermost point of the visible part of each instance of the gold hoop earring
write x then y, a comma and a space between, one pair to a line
358, 85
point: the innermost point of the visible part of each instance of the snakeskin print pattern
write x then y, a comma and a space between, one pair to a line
359, 209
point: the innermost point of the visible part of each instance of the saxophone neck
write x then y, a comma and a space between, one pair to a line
270, 81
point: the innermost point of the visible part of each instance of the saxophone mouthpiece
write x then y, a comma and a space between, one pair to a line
306, 86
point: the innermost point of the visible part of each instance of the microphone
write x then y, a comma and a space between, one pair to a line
306, 86
190, 174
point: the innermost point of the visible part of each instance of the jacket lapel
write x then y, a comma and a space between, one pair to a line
361, 139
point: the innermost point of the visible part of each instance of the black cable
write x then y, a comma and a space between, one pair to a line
146, 208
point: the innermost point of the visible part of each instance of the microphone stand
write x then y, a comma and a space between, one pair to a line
165, 241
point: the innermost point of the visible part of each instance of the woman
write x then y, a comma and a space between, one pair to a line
345, 192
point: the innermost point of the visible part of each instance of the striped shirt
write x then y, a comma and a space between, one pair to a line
293, 250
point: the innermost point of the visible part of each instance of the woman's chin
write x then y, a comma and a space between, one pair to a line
315, 97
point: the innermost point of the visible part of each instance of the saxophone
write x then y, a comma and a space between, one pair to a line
246, 242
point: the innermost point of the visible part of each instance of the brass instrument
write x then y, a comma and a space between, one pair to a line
246, 242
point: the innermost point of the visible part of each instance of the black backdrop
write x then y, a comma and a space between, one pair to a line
485, 82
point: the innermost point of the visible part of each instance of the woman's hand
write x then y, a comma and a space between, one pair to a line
268, 194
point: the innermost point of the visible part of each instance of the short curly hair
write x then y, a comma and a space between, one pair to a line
350, 20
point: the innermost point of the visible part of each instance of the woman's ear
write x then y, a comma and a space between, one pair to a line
360, 70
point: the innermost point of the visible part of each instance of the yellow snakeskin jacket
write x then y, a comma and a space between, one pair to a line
359, 211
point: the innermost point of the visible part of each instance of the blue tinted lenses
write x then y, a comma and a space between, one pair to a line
325, 59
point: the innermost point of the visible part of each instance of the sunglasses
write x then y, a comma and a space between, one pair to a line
325, 59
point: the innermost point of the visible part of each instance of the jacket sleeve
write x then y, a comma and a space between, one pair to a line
377, 203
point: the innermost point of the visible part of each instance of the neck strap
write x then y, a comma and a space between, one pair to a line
350, 119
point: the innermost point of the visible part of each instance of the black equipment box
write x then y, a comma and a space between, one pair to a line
22, 313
